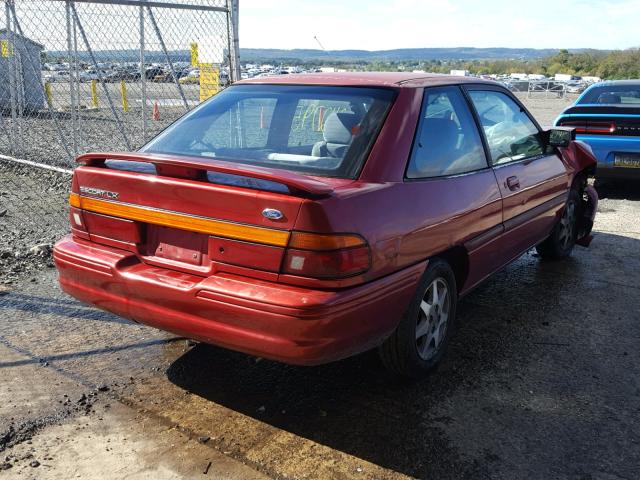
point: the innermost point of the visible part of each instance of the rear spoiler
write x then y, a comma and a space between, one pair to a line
294, 181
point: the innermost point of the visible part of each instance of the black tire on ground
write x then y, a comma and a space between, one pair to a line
559, 244
434, 316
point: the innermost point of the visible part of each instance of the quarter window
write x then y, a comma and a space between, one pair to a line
510, 133
447, 141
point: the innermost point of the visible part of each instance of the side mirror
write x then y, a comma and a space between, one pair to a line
560, 136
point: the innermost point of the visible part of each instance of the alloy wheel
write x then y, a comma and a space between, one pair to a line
567, 225
433, 317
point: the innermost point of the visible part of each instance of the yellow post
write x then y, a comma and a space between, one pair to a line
194, 54
47, 92
209, 81
94, 93
6, 49
123, 92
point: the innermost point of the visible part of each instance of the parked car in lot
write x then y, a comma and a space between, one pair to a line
152, 72
167, 76
89, 75
126, 74
607, 117
193, 76
575, 87
307, 218
57, 76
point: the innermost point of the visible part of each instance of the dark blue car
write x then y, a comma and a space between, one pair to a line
607, 117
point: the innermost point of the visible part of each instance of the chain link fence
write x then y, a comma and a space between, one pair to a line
95, 75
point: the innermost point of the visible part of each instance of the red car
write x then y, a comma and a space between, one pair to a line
306, 218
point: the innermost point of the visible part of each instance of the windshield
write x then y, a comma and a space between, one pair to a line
613, 95
320, 130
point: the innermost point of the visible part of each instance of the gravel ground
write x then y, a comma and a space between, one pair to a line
541, 380
33, 214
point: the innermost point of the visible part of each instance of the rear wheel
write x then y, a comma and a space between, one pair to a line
563, 237
421, 339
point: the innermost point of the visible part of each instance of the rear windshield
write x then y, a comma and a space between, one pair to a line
320, 130
612, 95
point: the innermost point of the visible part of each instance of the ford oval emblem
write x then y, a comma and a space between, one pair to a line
272, 214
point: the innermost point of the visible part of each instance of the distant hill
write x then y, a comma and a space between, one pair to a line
399, 54
344, 56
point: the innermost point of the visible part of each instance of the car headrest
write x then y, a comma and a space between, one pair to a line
609, 97
338, 127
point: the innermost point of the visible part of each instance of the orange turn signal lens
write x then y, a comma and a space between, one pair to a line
220, 228
74, 200
316, 241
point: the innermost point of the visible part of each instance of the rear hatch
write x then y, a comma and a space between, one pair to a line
192, 215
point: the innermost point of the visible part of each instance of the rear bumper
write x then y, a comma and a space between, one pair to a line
605, 171
286, 323
605, 148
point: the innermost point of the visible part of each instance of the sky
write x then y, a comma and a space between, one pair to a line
389, 24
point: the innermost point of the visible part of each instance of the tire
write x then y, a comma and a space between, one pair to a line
407, 353
563, 237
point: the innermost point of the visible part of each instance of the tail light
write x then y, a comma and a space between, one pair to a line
588, 127
326, 256
76, 219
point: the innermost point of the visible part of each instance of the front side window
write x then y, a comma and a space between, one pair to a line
447, 140
510, 133
320, 130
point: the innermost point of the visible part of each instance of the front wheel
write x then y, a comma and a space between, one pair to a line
563, 237
421, 339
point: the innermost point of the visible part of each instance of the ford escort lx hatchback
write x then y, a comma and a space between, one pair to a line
308, 218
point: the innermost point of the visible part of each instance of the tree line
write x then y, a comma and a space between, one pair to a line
619, 64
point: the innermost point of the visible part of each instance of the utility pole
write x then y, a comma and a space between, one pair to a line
315, 37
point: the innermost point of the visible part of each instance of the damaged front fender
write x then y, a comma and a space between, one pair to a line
581, 164
579, 158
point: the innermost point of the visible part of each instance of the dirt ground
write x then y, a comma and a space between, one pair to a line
541, 382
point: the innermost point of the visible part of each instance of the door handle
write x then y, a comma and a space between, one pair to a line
512, 183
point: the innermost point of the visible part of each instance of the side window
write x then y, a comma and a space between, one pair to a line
511, 135
245, 125
447, 141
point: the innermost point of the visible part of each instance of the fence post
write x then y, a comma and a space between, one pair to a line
235, 55
72, 91
12, 84
143, 78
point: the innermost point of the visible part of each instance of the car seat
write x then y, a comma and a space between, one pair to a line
609, 98
338, 133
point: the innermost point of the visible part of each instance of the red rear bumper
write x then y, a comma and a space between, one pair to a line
285, 323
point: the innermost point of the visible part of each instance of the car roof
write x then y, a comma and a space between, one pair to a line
366, 79
613, 83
